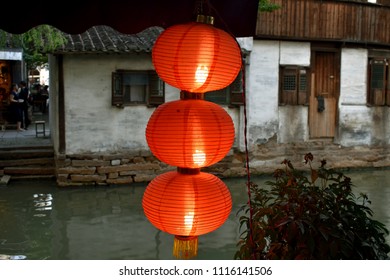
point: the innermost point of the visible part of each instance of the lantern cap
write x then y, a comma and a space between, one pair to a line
188, 171
205, 19
184, 95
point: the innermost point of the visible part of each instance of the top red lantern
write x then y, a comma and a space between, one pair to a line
196, 57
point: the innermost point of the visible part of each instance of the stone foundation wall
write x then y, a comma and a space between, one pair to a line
268, 157
108, 169
130, 167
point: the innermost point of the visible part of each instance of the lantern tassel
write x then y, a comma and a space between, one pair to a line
185, 247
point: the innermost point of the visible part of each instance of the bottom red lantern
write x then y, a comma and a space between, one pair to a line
187, 203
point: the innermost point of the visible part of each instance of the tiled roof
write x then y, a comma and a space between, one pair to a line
104, 39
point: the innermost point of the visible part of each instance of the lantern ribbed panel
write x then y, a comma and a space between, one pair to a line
185, 51
187, 205
190, 133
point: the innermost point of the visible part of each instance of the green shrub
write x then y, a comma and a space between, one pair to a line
311, 215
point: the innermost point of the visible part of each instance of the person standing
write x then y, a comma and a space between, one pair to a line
15, 108
24, 94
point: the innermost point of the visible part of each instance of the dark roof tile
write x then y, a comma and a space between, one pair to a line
104, 39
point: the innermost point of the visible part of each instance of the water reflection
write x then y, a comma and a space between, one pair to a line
38, 220
42, 202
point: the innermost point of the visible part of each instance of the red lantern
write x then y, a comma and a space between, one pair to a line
196, 57
187, 205
190, 133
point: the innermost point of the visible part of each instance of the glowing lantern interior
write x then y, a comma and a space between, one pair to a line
187, 204
190, 133
196, 57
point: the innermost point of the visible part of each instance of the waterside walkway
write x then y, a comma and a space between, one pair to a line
10, 137
26, 154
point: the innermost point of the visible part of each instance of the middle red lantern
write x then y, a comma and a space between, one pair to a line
190, 133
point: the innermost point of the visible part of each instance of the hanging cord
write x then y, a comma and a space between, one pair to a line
249, 181
202, 7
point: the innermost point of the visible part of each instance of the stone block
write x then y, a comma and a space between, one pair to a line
113, 175
115, 162
88, 178
120, 180
77, 170
93, 162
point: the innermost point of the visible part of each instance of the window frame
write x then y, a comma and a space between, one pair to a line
297, 96
378, 96
154, 91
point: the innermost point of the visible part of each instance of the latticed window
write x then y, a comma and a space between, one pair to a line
137, 87
289, 81
293, 85
378, 93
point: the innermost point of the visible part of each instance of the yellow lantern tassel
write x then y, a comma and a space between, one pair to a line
185, 247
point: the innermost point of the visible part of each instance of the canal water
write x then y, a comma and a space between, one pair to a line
39, 220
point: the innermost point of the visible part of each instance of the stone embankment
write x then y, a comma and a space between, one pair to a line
130, 167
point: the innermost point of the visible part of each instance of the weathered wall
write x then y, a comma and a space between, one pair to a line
106, 145
358, 123
92, 123
266, 119
262, 92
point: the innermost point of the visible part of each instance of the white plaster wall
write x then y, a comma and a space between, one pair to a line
293, 124
265, 118
361, 125
92, 124
353, 77
262, 92
295, 53
354, 125
358, 123
354, 120
246, 43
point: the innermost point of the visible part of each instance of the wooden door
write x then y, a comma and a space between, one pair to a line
324, 94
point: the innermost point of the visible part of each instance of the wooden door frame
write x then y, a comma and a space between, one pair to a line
324, 47
330, 48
